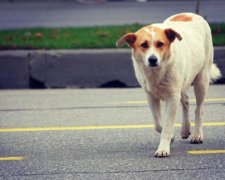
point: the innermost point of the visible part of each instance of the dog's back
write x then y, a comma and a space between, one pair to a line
197, 45
192, 28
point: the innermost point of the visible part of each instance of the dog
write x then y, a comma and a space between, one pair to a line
168, 58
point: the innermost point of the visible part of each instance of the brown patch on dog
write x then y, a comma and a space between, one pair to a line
151, 36
129, 38
182, 17
143, 37
161, 38
172, 35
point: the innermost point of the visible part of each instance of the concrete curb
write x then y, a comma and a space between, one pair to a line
74, 68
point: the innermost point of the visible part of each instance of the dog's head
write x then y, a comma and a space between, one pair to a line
151, 44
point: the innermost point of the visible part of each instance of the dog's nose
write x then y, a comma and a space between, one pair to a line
153, 61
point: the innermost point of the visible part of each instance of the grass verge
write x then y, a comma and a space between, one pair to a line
79, 38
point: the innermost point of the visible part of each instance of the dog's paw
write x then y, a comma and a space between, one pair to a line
161, 153
185, 132
196, 140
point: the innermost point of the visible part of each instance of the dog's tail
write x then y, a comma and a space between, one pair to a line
215, 73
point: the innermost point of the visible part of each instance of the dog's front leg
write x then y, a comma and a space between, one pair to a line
168, 126
154, 104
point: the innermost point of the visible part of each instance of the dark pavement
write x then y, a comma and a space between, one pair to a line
102, 134
20, 14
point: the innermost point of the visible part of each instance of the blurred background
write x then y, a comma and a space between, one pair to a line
70, 13
87, 29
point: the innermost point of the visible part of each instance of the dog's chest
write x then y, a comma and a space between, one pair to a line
160, 87
160, 91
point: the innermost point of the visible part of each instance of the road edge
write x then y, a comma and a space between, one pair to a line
92, 68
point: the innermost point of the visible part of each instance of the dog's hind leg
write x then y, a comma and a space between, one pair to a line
154, 104
185, 128
201, 84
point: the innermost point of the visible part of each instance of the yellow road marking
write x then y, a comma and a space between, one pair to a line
199, 152
191, 100
100, 127
212, 100
74, 128
12, 158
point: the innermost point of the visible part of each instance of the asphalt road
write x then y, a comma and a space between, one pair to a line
101, 134
59, 13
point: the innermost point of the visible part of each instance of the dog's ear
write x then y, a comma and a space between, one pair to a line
129, 38
172, 35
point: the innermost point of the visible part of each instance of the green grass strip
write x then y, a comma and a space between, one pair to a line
79, 38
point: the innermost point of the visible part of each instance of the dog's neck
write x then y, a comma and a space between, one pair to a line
160, 75
159, 80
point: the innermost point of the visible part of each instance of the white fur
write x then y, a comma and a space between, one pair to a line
214, 73
151, 50
191, 61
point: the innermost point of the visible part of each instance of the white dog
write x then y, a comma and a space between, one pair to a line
168, 57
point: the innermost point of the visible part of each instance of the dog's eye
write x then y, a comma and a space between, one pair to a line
144, 45
159, 44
